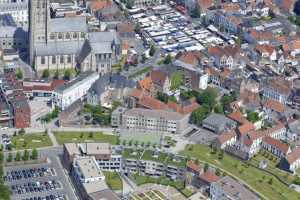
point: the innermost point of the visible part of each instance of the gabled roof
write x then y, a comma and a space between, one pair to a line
193, 166
209, 177
224, 137
277, 144
274, 105
293, 156
246, 128
238, 117
158, 77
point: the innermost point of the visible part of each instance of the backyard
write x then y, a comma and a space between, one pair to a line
65, 137
264, 183
30, 141
113, 180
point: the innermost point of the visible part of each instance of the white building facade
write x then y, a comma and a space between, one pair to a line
67, 94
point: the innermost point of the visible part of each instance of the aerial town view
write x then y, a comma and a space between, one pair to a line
149, 99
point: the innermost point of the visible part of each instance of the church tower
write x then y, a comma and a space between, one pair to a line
39, 16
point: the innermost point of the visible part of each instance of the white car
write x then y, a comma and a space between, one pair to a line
4, 128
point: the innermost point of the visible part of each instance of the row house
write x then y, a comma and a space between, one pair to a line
292, 161
155, 81
224, 57
252, 141
276, 147
277, 89
254, 36
226, 139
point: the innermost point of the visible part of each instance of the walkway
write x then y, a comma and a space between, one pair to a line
52, 138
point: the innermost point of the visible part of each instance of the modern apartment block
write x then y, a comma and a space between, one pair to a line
139, 119
90, 180
107, 157
67, 94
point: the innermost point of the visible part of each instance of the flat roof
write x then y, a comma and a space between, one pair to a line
88, 167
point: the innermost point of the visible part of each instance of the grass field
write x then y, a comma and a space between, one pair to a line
113, 180
65, 137
272, 163
30, 141
256, 178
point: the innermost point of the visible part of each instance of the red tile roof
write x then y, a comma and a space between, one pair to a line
246, 128
277, 144
193, 166
238, 117
209, 177
274, 105
293, 156
224, 137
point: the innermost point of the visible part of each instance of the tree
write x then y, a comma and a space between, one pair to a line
297, 8
168, 59
91, 135
196, 12
10, 157
81, 135
208, 97
226, 100
152, 50
56, 74
124, 142
252, 116
206, 166
137, 28
19, 74
67, 74
46, 73
221, 155
143, 58
25, 155
22, 131
34, 154
270, 181
130, 143
129, 4
218, 109
199, 115
18, 156
176, 80
162, 97
218, 172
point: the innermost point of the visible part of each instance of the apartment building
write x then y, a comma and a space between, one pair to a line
90, 180
108, 158
76, 89
139, 119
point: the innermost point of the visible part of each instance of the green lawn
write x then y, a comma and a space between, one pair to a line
65, 137
141, 138
272, 163
254, 177
113, 180
157, 157
30, 141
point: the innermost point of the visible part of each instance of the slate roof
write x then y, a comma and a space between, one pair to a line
68, 24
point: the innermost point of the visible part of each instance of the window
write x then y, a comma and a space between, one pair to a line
60, 36
68, 36
69, 59
43, 60
75, 35
53, 60
52, 36
82, 35
61, 59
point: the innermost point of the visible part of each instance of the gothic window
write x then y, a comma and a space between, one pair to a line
75, 35
61, 59
43, 61
52, 36
68, 35
60, 36
69, 59
82, 35
53, 60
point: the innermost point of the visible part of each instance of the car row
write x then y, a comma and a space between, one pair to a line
48, 197
28, 173
32, 187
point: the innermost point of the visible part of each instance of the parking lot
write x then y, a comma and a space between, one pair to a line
39, 182
173, 32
